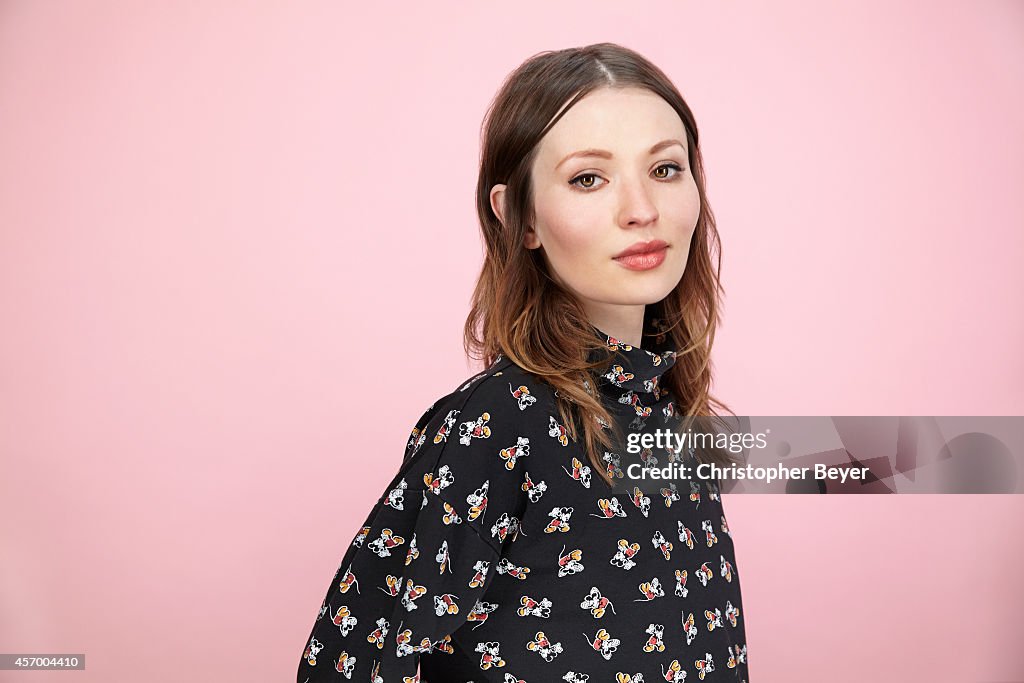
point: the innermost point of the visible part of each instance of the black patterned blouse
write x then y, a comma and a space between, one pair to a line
495, 554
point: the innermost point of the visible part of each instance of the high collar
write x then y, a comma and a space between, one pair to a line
633, 368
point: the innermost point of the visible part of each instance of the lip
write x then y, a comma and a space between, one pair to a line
642, 248
645, 261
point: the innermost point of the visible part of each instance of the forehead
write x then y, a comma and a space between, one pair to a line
623, 121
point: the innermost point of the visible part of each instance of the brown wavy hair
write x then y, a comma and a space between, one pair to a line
519, 311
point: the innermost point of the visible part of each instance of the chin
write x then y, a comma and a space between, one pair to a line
646, 287
637, 296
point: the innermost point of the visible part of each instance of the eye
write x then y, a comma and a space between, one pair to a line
586, 181
675, 167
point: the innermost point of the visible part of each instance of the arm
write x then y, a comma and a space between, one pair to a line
418, 569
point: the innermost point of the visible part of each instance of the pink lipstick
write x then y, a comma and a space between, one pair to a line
643, 255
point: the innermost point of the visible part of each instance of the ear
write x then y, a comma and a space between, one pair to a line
498, 201
530, 238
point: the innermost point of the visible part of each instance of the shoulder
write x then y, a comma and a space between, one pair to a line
504, 390
473, 453
494, 409
505, 380
509, 389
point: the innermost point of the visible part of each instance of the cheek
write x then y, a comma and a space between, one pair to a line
680, 210
570, 228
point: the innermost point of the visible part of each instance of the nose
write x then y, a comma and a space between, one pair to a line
636, 206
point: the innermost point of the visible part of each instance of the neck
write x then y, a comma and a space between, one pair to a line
631, 368
625, 323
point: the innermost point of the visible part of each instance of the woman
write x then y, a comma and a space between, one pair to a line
517, 542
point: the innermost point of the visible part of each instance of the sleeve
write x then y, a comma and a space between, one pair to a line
421, 565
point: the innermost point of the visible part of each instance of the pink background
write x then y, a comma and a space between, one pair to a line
237, 242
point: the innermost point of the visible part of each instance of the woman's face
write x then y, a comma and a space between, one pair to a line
610, 175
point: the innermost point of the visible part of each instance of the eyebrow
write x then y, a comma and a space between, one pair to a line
605, 154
